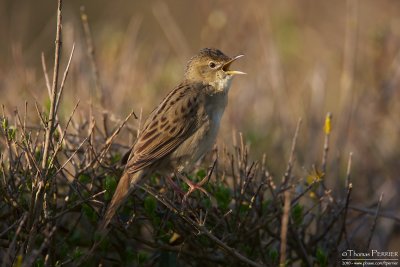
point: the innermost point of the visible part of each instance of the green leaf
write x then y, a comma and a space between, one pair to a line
297, 214
223, 196
77, 253
110, 186
322, 258
39, 263
56, 136
89, 212
38, 155
201, 174
11, 133
154, 179
150, 205
84, 178
206, 201
129, 255
273, 255
116, 158
4, 123
142, 257
63, 249
266, 204
243, 208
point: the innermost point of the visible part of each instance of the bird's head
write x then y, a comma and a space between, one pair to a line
212, 67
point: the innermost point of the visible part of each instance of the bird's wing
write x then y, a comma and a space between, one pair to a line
168, 126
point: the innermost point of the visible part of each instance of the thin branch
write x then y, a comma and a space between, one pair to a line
349, 187
6, 258
35, 253
73, 154
79, 203
91, 54
201, 229
64, 78
284, 227
52, 114
63, 136
384, 214
371, 233
286, 177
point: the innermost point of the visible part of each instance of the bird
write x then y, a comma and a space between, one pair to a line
182, 128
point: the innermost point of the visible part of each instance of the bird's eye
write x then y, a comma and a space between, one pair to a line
212, 65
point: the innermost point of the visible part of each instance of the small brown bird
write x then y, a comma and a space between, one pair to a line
184, 125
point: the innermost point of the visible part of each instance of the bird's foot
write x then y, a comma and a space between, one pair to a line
194, 186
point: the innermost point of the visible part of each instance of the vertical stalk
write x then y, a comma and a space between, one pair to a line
51, 122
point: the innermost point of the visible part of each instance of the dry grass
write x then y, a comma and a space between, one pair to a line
59, 157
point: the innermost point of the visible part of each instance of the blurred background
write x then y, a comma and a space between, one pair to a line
303, 59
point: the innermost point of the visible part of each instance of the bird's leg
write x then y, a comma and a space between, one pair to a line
194, 186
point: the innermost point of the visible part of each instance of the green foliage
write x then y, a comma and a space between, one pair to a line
77, 253
11, 133
322, 258
110, 186
207, 228
206, 202
200, 174
297, 214
75, 237
266, 205
141, 257
84, 178
158, 215
223, 196
129, 255
39, 262
273, 255
4, 124
89, 212
116, 158
150, 205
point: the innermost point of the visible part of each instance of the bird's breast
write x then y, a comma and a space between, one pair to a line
203, 139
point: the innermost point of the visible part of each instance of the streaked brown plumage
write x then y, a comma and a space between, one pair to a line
184, 125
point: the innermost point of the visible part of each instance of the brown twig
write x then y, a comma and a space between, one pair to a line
35, 253
64, 78
51, 121
201, 229
6, 257
284, 227
91, 54
371, 233
286, 177
48, 86
79, 203
349, 187
384, 214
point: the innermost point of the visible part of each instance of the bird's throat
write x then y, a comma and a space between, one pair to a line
222, 85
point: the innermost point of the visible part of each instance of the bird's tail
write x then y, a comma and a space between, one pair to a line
125, 186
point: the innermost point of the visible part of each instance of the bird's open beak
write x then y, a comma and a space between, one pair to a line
226, 66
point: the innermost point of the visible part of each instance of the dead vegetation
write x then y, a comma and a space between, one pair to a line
56, 178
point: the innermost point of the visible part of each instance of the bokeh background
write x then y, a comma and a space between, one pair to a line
303, 59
